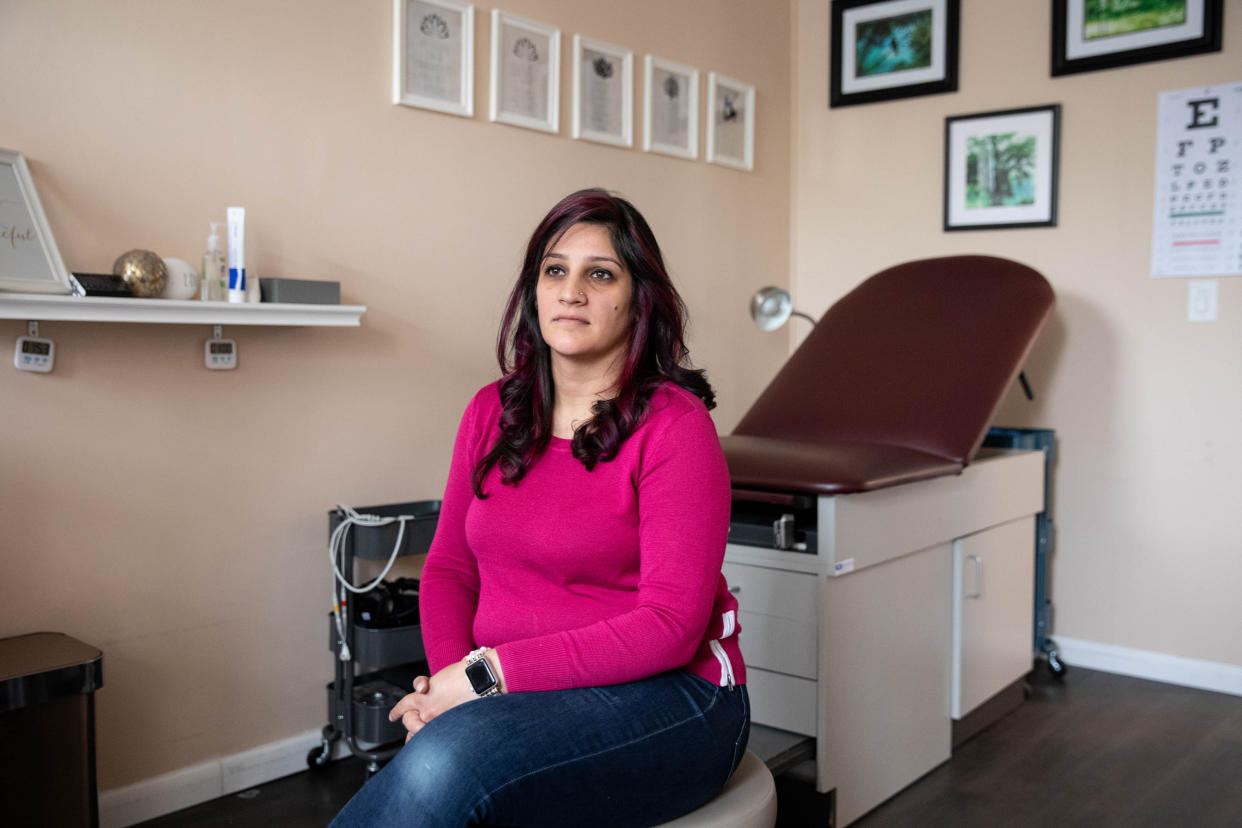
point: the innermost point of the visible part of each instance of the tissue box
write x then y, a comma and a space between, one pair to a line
305, 291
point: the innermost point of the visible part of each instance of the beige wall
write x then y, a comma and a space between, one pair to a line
175, 517
1146, 405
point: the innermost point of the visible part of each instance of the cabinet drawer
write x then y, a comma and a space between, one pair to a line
779, 615
785, 702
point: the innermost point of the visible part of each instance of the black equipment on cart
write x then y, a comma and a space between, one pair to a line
383, 642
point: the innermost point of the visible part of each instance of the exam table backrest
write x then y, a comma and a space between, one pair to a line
898, 381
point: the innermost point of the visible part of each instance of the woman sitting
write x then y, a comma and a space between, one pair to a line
582, 639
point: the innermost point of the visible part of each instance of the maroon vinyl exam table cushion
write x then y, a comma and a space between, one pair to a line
898, 382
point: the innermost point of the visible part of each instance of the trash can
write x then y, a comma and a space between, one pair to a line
47, 730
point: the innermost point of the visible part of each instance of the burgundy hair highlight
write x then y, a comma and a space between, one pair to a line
657, 352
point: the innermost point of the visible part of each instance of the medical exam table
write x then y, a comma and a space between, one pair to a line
884, 564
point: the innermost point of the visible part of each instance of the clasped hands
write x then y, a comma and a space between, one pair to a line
431, 697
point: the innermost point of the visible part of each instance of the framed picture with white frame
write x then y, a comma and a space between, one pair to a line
29, 259
603, 92
433, 55
671, 108
526, 71
730, 122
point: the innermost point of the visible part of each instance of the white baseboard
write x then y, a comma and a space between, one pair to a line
1189, 672
200, 783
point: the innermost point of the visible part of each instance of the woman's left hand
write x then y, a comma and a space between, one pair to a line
445, 690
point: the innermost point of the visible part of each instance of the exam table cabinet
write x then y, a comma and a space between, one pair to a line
913, 610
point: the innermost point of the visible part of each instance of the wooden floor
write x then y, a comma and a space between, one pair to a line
1095, 750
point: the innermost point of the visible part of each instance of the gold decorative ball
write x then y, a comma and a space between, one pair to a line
143, 272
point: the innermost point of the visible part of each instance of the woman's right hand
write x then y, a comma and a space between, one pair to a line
410, 718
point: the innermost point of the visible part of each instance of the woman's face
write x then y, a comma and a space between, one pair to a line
583, 297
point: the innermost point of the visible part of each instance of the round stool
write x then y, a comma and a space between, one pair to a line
747, 801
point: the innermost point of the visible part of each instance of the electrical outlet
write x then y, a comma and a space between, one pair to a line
1201, 300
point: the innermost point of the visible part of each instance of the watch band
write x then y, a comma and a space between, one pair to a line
480, 674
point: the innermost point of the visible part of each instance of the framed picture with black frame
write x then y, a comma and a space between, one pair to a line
1099, 34
1000, 169
882, 50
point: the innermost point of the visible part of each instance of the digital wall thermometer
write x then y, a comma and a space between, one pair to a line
220, 354
34, 353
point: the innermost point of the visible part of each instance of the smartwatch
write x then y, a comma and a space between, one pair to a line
482, 678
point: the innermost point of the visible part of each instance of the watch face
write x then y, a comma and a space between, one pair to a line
481, 676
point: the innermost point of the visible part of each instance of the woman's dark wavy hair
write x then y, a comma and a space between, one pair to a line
657, 351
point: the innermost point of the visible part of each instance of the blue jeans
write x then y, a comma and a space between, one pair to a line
634, 754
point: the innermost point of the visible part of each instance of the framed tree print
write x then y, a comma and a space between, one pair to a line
1000, 169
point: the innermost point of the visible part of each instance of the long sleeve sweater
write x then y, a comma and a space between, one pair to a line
583, 578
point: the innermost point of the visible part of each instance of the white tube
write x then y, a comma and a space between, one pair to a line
237, 254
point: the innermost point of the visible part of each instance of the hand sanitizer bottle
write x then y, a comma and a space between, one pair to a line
214, 284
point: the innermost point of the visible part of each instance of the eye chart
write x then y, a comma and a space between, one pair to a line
1197, 229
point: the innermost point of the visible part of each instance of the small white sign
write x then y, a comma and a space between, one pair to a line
842, 567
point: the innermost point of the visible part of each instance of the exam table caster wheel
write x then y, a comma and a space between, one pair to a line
1055, 664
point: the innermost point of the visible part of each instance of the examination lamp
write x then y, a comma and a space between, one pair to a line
771, 307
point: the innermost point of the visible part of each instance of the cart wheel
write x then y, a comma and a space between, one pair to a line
1055, 664
318, 757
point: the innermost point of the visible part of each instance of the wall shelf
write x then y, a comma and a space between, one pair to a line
49, 308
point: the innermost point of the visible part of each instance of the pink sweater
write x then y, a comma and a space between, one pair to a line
581, 579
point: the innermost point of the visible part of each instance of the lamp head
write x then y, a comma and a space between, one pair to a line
771, 307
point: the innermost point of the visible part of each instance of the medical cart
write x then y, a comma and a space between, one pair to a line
380, 660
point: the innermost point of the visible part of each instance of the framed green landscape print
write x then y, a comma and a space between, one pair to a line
887, 49
1103, 34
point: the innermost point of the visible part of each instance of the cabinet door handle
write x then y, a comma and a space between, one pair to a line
736, 590
978, 593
